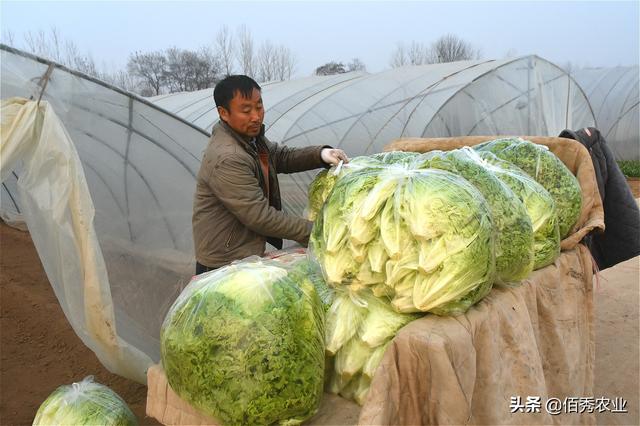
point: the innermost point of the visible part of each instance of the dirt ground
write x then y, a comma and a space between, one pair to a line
634, 183
39, 351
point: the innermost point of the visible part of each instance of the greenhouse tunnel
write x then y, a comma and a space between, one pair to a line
362, 112
140, 156
614, 96
140, 164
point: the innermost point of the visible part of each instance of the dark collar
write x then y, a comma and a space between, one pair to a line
244, 142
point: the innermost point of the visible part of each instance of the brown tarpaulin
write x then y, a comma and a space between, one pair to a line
535, 340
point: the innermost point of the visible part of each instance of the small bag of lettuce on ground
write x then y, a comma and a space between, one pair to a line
84, 403
245, 344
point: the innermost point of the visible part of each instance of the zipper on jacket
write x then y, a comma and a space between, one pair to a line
233, 230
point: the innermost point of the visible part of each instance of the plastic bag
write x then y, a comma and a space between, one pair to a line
423, 237
514, 231
546, 169
84, 403
245, 343
359, 329
539, 204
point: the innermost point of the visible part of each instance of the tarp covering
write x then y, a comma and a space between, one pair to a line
138, 164
535, 340
614, 96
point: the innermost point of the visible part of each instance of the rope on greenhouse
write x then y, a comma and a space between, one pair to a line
44, 80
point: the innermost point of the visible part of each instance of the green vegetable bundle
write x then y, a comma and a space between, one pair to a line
422, 238
514, 231
539, 205
324, 181
547, 169
359, 329
245, 343
84, 403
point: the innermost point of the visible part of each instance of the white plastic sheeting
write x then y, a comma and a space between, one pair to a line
362, 112
140, 164
614, 96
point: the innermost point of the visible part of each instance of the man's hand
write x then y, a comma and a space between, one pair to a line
333, 156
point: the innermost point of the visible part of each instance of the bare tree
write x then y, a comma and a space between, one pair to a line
418, 54
8, 37
274, 62
150, 68
188, 70
175, 73
451, 48
246, 54
76, 60
207, 70
356, 65
121, 79
224, 49
53, 46
399, 56
285, 63
331, 68
415, 54
37, 44
267, 62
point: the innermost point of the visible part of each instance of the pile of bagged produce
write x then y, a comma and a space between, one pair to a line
396, 235
407, 233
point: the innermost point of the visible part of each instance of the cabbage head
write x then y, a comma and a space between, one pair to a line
367, 324
323, 183
425, 237
84, 403
245, 344
396, 157
546, 169
514, 236
319, 190
539, 204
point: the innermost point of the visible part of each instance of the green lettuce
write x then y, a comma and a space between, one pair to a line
540, 206
546, 169
424, 238
514, 231
245, 344
84, 403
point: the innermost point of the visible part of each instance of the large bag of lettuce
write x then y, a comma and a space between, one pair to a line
546, 169
245, 343
84, 403
424, 239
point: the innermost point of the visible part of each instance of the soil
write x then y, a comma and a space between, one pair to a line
634, 183
39, 351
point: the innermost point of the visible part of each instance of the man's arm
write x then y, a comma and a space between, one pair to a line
293, 160
234, 183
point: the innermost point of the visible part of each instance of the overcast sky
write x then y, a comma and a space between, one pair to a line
586, 33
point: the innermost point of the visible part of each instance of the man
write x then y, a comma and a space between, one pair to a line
237, 207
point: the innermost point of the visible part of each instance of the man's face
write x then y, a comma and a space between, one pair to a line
245, 115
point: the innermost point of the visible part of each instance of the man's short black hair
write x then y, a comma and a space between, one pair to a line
227, 88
